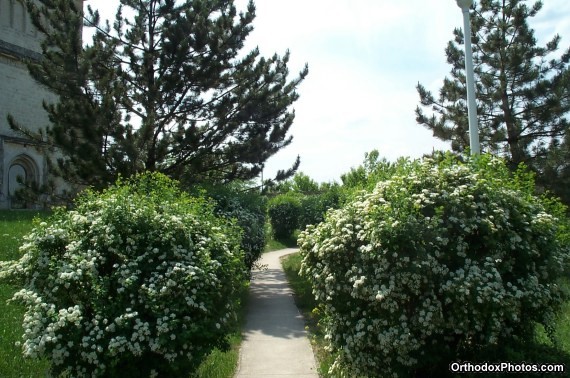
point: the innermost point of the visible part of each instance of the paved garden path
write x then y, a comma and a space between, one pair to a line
275, 342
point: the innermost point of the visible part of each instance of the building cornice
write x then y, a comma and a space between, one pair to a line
17, 52
20, 140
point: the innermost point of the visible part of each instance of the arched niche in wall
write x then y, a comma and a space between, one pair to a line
22, 171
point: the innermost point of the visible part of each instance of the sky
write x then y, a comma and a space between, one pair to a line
365, 59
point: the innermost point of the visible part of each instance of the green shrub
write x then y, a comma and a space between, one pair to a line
284, 211
315, 206
312, 210
249, 210
140, 280
445, 263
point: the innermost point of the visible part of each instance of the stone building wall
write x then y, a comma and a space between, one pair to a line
16, 27
21, 97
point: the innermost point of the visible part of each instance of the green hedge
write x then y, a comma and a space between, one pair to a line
249, 209
284, 212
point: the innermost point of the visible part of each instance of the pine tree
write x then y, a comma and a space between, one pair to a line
165, 88
554, 169
523, 90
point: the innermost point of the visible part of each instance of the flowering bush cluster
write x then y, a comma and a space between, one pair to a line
140, 280
434, 265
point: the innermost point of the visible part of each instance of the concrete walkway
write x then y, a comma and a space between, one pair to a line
275, 342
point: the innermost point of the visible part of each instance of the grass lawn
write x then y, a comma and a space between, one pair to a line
275, 245
13, 226
223, 364
543, 352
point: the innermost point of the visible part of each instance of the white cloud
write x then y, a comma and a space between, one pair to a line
365, 58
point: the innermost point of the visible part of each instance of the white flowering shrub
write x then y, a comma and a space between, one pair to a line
140, 280
441, 263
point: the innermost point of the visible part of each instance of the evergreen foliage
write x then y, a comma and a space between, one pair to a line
554, 168
249, 208
523, 92
164, 87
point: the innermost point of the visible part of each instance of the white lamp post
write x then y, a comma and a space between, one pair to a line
471, 104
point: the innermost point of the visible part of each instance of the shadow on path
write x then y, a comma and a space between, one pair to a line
269, 295
274, 342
